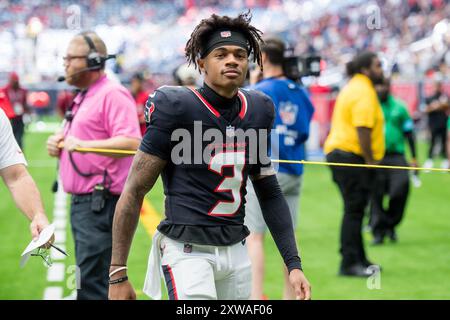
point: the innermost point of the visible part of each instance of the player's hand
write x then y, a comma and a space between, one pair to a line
301, 286
39, 223
52, 144
71, 143
121, 291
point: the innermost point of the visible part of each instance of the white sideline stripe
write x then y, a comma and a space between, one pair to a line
61, 203
56, 255
59, 213
53, 293
56, 272
60, 236
60, 223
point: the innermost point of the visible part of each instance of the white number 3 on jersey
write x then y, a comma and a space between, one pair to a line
235, 160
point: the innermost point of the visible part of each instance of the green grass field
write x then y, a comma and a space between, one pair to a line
418, 267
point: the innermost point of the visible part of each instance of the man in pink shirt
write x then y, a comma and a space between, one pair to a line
103, 115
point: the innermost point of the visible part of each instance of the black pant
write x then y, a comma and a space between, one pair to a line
92, 233
438, 134
354, 185
18, 129
395, 185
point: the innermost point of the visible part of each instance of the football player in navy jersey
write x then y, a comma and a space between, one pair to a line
205, 143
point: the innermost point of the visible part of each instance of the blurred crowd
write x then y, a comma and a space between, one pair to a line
112, 12
393, 28
150, 35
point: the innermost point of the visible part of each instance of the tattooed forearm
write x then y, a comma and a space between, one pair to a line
143, 174
124, 226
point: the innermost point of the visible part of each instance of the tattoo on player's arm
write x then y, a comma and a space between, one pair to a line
143, 174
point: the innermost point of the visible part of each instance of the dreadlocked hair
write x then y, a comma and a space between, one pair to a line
206, 27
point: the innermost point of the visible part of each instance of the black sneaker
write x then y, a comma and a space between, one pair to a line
378, 239
357, 270
392, 235
368, 264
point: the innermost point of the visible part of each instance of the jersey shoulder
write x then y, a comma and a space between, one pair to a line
259, 98
173, 95
260, 105
167, 100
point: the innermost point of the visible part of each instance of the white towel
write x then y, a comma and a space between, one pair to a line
152, 284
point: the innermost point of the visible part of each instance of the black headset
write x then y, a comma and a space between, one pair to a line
94, 60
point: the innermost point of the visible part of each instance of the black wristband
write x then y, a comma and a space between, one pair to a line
117, 265
119, 280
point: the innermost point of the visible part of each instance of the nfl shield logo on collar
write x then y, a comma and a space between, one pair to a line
225, 34
230, 131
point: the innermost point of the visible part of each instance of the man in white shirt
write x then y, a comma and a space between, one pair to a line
19, 182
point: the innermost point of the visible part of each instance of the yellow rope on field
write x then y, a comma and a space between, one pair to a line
375, 166
106, 151
322, 163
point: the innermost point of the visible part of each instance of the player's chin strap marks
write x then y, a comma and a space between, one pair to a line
277, 216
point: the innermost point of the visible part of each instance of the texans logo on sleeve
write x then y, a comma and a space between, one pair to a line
148, 111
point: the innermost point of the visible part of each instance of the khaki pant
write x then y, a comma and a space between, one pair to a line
290, 186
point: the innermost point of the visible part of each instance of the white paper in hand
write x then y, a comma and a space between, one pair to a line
44, 237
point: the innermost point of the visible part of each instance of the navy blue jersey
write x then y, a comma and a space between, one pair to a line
209, 158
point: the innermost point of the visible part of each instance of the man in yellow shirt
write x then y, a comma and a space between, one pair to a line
356, 136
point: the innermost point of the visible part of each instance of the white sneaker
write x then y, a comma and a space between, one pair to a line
428, 165
444, 164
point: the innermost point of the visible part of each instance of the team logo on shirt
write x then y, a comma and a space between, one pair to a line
148, 111
288, 112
